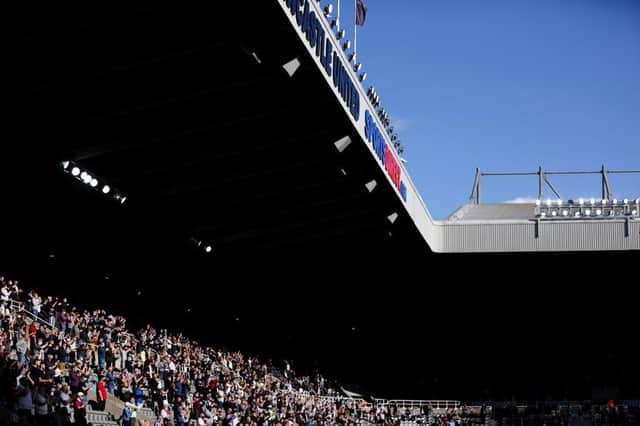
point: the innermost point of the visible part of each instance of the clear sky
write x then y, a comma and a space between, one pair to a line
507, 85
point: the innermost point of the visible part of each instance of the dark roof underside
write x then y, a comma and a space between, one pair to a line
170, 106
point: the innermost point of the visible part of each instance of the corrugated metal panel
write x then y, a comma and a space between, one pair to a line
493, 212
553, 236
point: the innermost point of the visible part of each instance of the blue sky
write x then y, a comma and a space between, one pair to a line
507, 85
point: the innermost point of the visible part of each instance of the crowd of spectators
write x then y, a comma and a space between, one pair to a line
53, 356
49, 366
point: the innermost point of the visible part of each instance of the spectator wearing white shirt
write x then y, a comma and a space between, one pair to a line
36, 304
4, 310
5, 293
134, 410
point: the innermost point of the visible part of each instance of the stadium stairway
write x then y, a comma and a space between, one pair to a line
100, 418
148, 413
114, 407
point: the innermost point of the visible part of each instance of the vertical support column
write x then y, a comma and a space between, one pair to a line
626, 227
604, 194
478, 190
540, 183
606, 190
355, 32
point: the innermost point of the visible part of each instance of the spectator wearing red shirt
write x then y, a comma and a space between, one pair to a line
101, 395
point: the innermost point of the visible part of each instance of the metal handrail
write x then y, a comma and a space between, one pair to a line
410, 403
542, 180
18, 306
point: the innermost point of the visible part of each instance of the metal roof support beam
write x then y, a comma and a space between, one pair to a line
606, 189
552, 187
475, 192
542, 179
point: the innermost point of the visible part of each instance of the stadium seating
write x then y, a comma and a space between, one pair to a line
52, 361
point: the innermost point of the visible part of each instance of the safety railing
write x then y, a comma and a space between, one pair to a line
17, 306
437, 404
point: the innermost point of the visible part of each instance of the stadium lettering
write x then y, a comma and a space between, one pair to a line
384, 154
326, 56
373, 135
392, 167
317, 38
333, 65
345, 86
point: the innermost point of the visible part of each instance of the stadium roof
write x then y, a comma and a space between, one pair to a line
193, 117
224, 130
490, 212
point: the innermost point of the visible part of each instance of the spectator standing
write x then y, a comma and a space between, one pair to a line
134, 410
101, 394
80, 410
125, 418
